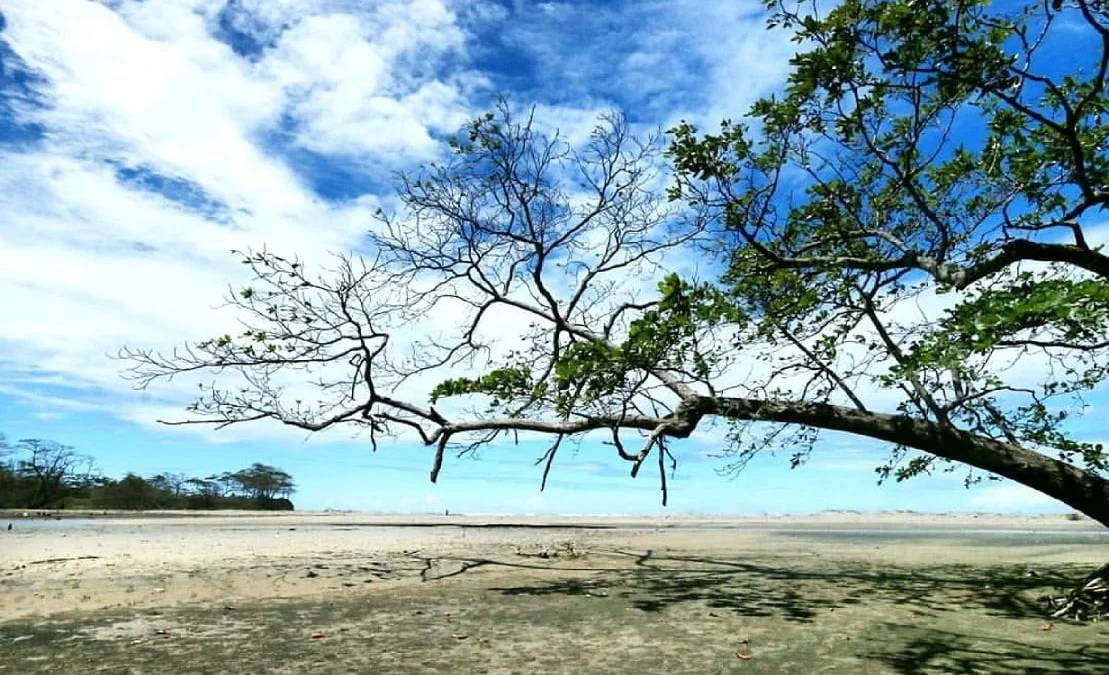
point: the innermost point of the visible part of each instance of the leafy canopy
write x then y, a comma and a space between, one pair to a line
945, 153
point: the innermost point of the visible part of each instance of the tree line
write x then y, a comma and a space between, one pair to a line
43, 474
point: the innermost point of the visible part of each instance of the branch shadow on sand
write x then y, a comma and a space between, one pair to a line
917, 651
955, 616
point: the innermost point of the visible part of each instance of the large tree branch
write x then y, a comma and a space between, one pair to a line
1013, 251
1080, 489
1018, 250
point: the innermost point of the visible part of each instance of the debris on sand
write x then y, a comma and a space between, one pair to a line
566, 549
62, 560
1088, 602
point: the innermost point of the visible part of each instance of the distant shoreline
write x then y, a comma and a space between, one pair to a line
823, 520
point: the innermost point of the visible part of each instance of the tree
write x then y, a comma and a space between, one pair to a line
496, 228
50, 470
7, 473
47, 474
518, 230
131, 492
924, 149
203, 487
203, 493
923, 153
262, 482
171, 483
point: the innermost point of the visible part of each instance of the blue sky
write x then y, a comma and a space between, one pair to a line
141, 141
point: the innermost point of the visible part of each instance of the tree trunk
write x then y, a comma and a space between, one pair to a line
1082, 490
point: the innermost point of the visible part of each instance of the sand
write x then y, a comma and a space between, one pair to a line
341, 593
55, 567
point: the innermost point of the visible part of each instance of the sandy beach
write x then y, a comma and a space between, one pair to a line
166, 559
80, 568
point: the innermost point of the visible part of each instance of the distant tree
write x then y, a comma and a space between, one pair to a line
159, 482
131, 492
262, 482
171, 483
38, 473
175, 483
50, 470
201, 492
204, 486
229, 484
7, 474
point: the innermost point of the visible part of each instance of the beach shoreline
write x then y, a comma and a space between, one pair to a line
822, 519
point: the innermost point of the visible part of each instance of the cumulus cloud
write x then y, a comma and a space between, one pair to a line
153, 166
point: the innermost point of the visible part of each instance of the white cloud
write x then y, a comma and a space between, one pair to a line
180, 103
89, 263
349, 79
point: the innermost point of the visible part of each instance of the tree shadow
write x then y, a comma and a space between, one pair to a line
438, 567
656, 581
958, 597
914, 650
